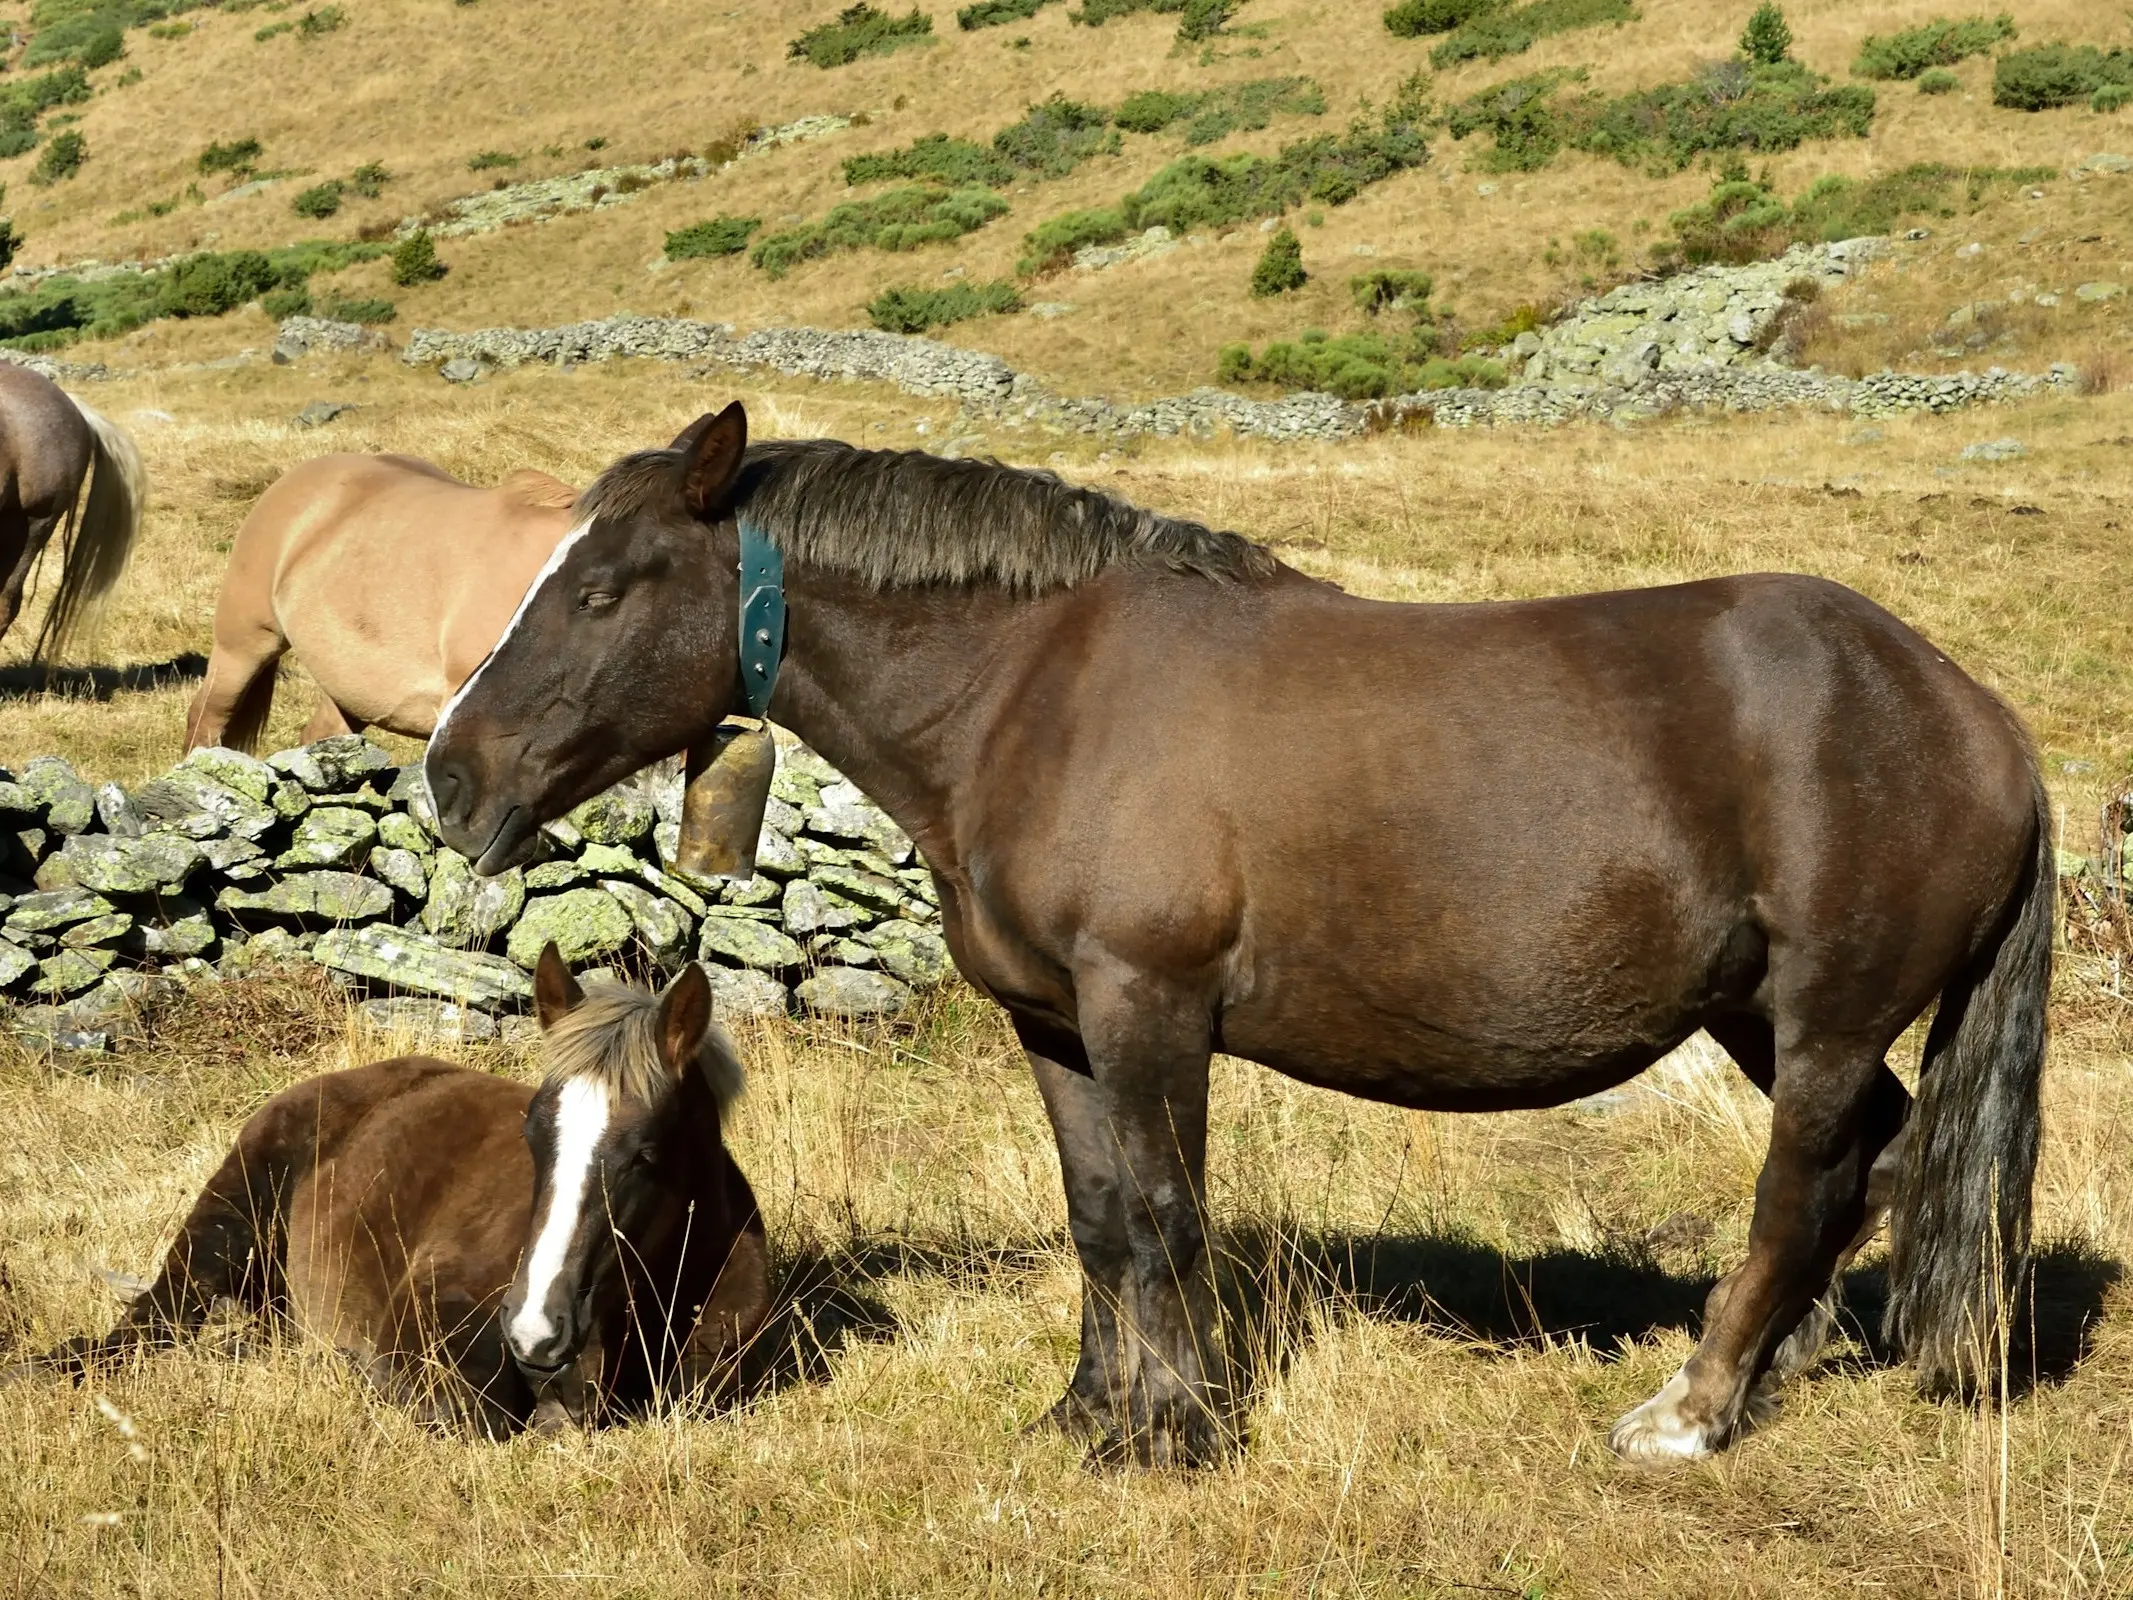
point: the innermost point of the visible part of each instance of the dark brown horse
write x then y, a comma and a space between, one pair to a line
48, 443
1179, 798
483, 1251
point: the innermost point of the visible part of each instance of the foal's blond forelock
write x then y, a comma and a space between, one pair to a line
612, 1038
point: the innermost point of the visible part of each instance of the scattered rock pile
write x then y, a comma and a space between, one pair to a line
329, 853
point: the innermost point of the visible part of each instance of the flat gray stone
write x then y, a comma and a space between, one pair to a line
403, 870
866, 889
328, 897
2098, 292
557, 874
189, 802
71, 971
173, 938
117, 812
326, 765
406, 960
425, 1019
233, 769
320, 412
110, 928
808, 909
1995, 450
910, 951
662, 926
463, 909
15, 963
18, 807
50, 910
144, 864
331, 836
850, 992
398, 831
739, 992
614, 816
746, 942
586, 925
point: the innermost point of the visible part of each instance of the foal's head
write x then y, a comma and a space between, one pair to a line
619, 1137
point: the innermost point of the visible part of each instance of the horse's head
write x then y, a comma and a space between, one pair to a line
609, 662
617, 1142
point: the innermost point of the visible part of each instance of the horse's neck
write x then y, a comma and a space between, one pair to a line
896, 688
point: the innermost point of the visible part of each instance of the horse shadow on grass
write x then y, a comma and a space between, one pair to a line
30, 679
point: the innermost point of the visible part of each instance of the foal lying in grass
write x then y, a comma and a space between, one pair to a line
484, 1252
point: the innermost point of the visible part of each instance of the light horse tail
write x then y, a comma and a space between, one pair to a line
1959, 1226
99, 534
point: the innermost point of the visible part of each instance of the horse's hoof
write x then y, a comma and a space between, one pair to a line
1660, 1432
1188, 1437
1074, 1417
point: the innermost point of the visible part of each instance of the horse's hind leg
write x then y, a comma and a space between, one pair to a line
35, 534
1835, 1109
328, 720
231, 705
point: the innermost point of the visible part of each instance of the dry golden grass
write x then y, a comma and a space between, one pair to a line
1435, 1428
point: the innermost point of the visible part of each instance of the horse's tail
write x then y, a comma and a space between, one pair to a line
100, 535
1959, 1224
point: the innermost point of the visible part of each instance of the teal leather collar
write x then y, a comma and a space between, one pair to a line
762, 617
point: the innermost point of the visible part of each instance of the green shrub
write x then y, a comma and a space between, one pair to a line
368, 312
1280, 269
209, 285
24, 100
1767, 40
1411, 19
317, 24
1056, 136
1052, 243
1729, 106
1938, 80
1939, 43
1357, 366
2049, 75
718, 236
319, 201
238, 157
1219, 112
1203, 19
10, 242
2111, 97
273, 30
415, 261
936, 156
994, 13
369, 180
902, 219
489, 160
859, 30
1513, 31
904, 308
1391, 289
294, 301
102, 49
63, 155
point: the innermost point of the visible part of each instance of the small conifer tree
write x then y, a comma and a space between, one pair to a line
1766, 40
415, 261
1281, 267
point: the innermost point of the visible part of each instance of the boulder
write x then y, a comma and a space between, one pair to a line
427, 1020
850, 992
586, 925
738, 992
189, 802
117, 812
311, 897
143, 864
465, 910
662, 926
331, 836
747, 942
916, 954
327, 765
614, 816
406, 960
50, 910
233, 770
403, 870
808, 909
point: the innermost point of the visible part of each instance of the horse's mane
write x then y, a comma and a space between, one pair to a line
901, 517
612, 1036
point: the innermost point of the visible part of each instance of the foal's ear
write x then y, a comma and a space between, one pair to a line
684, 1018
710, 449
555, 992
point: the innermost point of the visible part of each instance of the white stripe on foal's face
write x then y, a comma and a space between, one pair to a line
581, 1114
556, 558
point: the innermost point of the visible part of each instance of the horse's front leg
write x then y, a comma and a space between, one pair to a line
1148, 1050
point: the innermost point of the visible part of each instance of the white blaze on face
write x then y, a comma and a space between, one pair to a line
580, 1123
556, 558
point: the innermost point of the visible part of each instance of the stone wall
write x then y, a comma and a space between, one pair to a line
329, 854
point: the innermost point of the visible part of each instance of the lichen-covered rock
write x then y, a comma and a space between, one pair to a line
866, 889
69, 803
807, 908
111, 928
463, 909
845, 813
403, 870
15, 963
851, 992
747, 942
238, 859
909, 951
144, 864
173, 938
841, 950
427, 1020
614, 816
586, 925
290, 799
18, 807
327, 765
117, 812
662, 926
760, 892
406, 960
313, 897
234, 770
398, 831
560, 873
271, 948
190, 803
72, 971
50, 910
54, 872
739, 992
331, 836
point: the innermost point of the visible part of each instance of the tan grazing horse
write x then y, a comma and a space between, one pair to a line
485, 1251
48, 443
388, 577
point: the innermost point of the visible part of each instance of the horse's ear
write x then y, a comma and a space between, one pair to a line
710, 449
684, 1017
555, 992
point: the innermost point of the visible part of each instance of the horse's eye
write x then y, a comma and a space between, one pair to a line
648, 1156
597, 599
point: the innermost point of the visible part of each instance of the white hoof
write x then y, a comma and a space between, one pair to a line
1658, 1433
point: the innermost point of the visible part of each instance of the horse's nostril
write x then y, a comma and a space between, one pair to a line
448, 791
